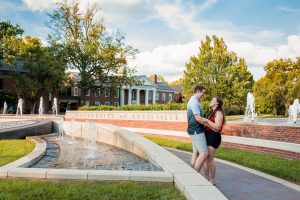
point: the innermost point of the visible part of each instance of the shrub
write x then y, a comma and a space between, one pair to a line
166, 106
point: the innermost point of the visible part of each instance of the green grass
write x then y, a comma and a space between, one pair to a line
26, 189
276, 166
11, 150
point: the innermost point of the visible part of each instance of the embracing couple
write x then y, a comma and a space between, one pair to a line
205, 132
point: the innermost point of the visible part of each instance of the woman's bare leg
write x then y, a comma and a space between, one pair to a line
211, 164
206, 168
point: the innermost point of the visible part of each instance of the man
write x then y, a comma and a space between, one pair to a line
196, 128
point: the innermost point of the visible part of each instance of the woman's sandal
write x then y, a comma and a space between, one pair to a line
213, 183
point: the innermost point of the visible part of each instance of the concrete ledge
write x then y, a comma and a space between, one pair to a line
3, 172
109, 175
28, 173
33, 128
67, 174
182, 180
37, 153
152, 176
203, 192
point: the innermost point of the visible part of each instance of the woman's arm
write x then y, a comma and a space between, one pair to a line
217, 126
201, 120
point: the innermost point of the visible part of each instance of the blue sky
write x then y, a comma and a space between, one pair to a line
168, 32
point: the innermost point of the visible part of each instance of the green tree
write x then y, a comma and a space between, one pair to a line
177, 82
220, 71
281, 86
99, 56
162, 79
10, 38
46, 69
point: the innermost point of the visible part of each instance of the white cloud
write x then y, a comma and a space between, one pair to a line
170, 60
40, 5
165, 52
287, 9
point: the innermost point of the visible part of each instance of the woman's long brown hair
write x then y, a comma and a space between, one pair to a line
219, 108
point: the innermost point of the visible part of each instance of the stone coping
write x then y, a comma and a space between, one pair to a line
157, 115
33, 157
286, 146
32, 128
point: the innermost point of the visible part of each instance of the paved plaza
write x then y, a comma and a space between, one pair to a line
237, 184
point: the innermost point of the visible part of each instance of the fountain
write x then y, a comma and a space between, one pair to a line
72, 131
250, 108
54, 107
4, 107
41, 107
20, 107
91, 137
61, 130
294, 110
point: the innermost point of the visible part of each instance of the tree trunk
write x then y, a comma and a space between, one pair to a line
287, 105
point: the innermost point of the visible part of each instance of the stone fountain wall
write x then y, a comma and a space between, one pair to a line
260, 137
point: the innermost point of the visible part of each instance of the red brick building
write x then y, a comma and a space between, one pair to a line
150, 91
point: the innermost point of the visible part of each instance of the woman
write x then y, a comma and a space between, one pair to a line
214, 124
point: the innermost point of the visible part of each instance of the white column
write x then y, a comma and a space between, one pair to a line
137, 96
122, 97
153, 97
129, 96
146, 97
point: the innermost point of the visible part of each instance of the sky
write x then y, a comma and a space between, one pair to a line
168, 32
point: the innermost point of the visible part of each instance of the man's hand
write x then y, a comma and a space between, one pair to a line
201, 120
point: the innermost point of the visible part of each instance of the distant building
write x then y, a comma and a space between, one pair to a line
150, 91
178, 94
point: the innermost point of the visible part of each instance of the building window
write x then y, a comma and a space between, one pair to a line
75, 91
97, 93
157, 96
97, 103
164, 96
117, 94
107, 93
107, 103
88, 93
150, 95
87, 103
133, 94
171, 97
116, 104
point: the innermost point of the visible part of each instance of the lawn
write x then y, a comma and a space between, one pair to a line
27, 189
11, 150
276, 166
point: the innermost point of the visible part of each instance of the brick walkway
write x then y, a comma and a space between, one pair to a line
237, 184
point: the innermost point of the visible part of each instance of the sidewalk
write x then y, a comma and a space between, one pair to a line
238, 184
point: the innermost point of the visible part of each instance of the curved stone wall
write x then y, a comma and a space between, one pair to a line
21, 129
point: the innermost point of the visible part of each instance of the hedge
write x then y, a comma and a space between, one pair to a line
167, 106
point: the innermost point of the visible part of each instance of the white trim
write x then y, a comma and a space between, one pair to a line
75, 94
88, 93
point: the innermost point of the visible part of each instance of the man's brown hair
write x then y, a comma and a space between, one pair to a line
199, 87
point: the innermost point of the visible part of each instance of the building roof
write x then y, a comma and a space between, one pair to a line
18, 67
178, 88
163, 87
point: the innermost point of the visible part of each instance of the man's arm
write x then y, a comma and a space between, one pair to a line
201, 120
